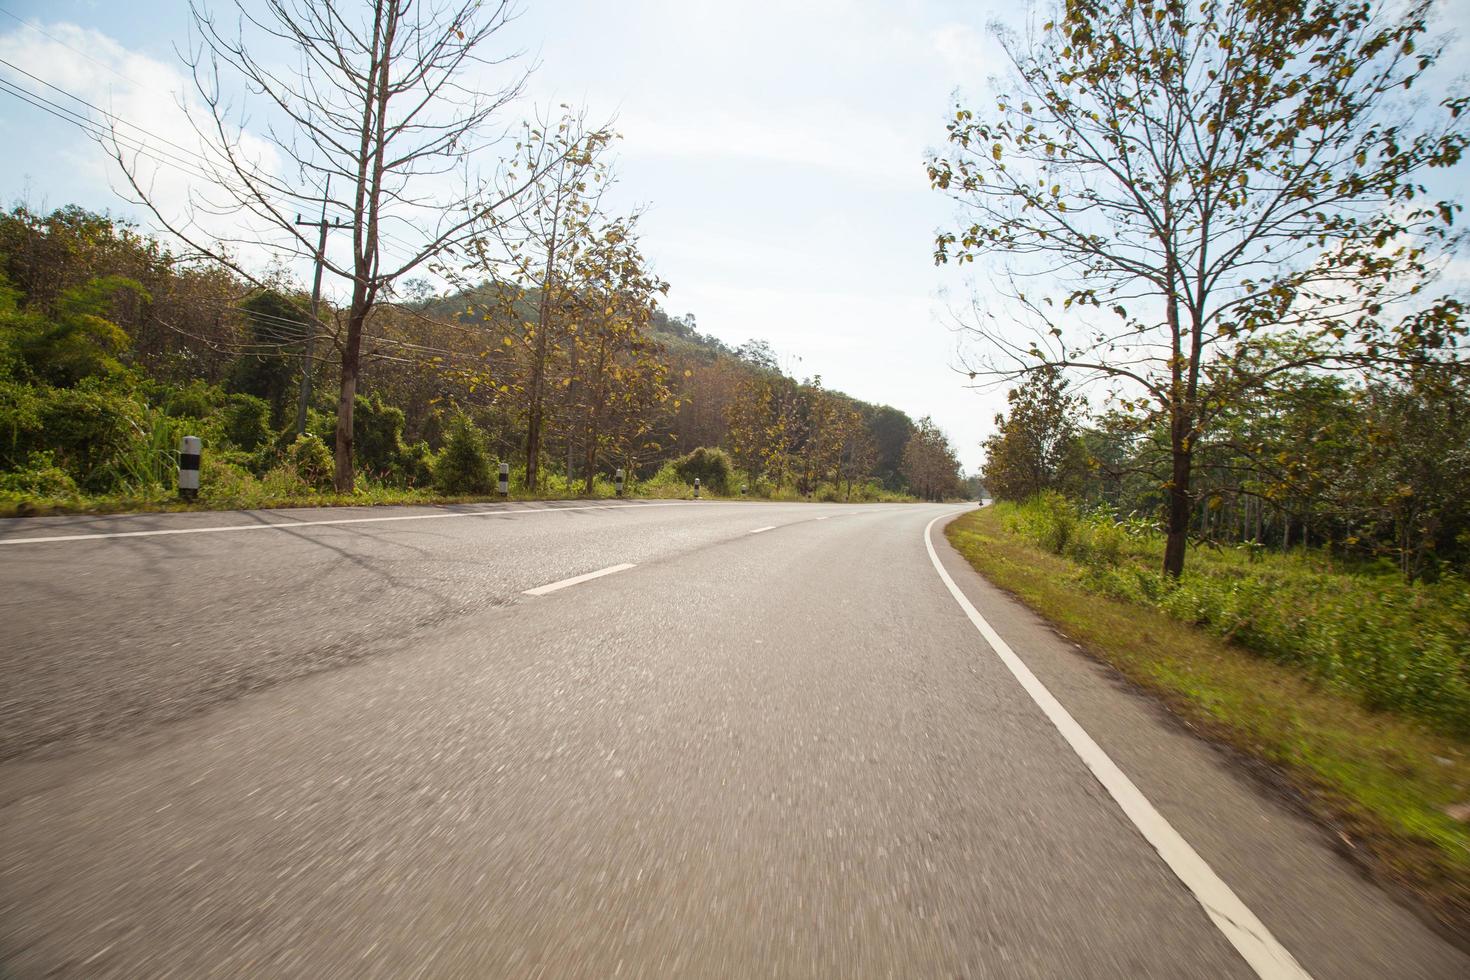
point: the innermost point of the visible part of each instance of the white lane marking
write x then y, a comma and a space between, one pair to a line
576, 580
768, 527
824, 518
1238, 923
291, 525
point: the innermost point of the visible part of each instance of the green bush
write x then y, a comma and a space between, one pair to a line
418, 465
40, 477
246, 422
92, 430
463, 466
283, 482
194, 400
665, 484
377, 439
712, 467
222, 480
312, 461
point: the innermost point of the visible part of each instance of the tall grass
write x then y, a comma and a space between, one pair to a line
1394, 647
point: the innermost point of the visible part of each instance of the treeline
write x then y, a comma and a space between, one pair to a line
111, 348
1370, 469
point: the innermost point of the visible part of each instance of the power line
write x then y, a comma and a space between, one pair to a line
112, 116
193, 164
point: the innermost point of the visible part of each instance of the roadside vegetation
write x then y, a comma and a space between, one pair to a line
1295, 660
112, 349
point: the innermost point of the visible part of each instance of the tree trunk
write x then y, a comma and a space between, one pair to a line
1180, 508
344, 479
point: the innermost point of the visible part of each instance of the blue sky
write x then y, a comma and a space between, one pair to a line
779, 147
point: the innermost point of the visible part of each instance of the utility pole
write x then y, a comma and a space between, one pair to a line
316, 296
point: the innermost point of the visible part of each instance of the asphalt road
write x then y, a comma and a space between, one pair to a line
771, 742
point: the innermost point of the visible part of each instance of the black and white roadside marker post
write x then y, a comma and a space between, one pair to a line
503, 486
190, 450
618, 481
696, 488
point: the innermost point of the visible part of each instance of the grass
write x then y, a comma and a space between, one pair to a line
1383, 781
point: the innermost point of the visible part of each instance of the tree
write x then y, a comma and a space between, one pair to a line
610, 336
1198, 178
1036, 445
267, 369
929, 463
537, 250
381, 100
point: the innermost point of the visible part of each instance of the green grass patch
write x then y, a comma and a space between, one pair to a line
1385, 780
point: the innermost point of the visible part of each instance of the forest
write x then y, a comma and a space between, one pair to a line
112, 348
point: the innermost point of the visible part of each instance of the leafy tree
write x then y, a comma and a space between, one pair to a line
1198, 178
78, 341
268, 369
758, 353
1036, 445
929, 463
558, 218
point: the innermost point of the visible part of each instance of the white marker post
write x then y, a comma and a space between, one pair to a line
696, 488
190, 449
618, 480
504, 485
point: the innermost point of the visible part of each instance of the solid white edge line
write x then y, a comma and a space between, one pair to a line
291, 525
576, 580
1238, 923
768, 527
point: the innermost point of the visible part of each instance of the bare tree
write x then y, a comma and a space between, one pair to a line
1196, 179
387, 97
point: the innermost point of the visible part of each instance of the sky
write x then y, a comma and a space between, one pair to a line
778, 147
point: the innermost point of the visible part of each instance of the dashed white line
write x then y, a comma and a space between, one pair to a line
577, 579
768, 527
824, 518
1238, 923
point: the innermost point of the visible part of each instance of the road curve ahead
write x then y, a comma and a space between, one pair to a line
644, 739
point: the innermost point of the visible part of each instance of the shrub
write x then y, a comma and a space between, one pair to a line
711, 467
221, 480
40, 477
91, 429
283, 481
377, 438
247, 422
194, 400
463, 466
312, 461
418, 465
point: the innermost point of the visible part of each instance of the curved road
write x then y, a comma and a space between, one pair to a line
768, 739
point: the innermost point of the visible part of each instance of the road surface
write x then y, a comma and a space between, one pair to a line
767, 739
